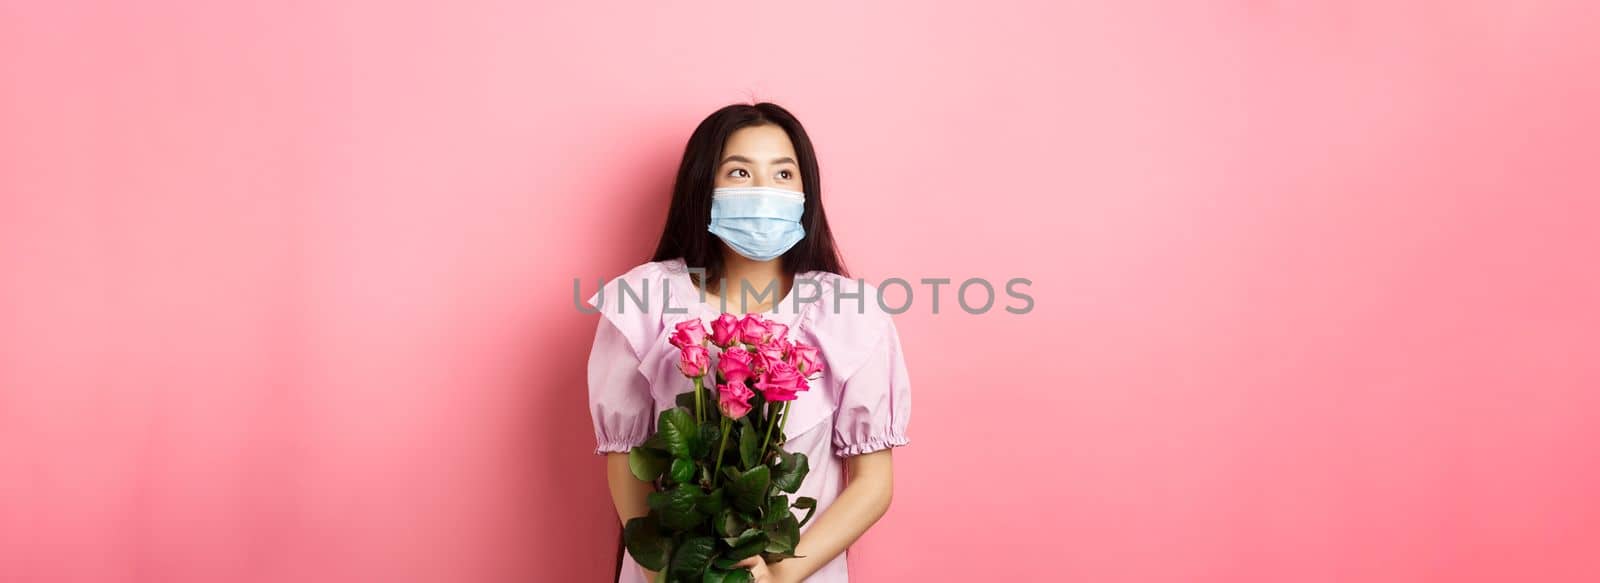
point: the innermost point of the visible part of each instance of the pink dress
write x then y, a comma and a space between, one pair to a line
861, 404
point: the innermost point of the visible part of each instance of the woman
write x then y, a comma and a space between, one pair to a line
747, 209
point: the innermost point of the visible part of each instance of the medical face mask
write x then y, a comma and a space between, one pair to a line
758, 222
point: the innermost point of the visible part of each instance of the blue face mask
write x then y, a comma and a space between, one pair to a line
758, 222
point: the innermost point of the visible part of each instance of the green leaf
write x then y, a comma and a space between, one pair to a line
710, 436
647, 464
777, 510
727, 523
790, 471
645, 543
783, 537
747, 550
748, 535
693, 556
682, 470
807, 504
728, 574
656, 442
749, 446
749, 490
746, 545
676, 507
712, 503
677, 429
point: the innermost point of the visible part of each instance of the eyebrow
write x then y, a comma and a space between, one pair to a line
775, 161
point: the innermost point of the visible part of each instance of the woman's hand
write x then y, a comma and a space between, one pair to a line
759, 571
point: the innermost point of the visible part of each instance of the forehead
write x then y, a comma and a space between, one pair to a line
766, 141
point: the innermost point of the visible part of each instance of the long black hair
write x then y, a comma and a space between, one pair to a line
685, 233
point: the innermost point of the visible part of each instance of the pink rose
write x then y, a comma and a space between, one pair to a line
779, 331
770, 352
725, 330
753, 329
688, 333
734, 399
735, 365
781, 382
806, 358
694, 360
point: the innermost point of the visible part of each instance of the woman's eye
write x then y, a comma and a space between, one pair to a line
739, 173
785, 174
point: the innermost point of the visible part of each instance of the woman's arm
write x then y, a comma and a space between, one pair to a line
627, 493
864, 500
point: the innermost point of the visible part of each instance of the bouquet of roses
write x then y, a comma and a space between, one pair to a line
717, 461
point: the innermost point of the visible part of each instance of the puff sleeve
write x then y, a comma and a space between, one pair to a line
875, 402
619, 395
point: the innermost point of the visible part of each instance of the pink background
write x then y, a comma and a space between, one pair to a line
287, 288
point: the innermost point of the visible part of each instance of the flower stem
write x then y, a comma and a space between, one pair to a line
699, 417
783, 413
721, 448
